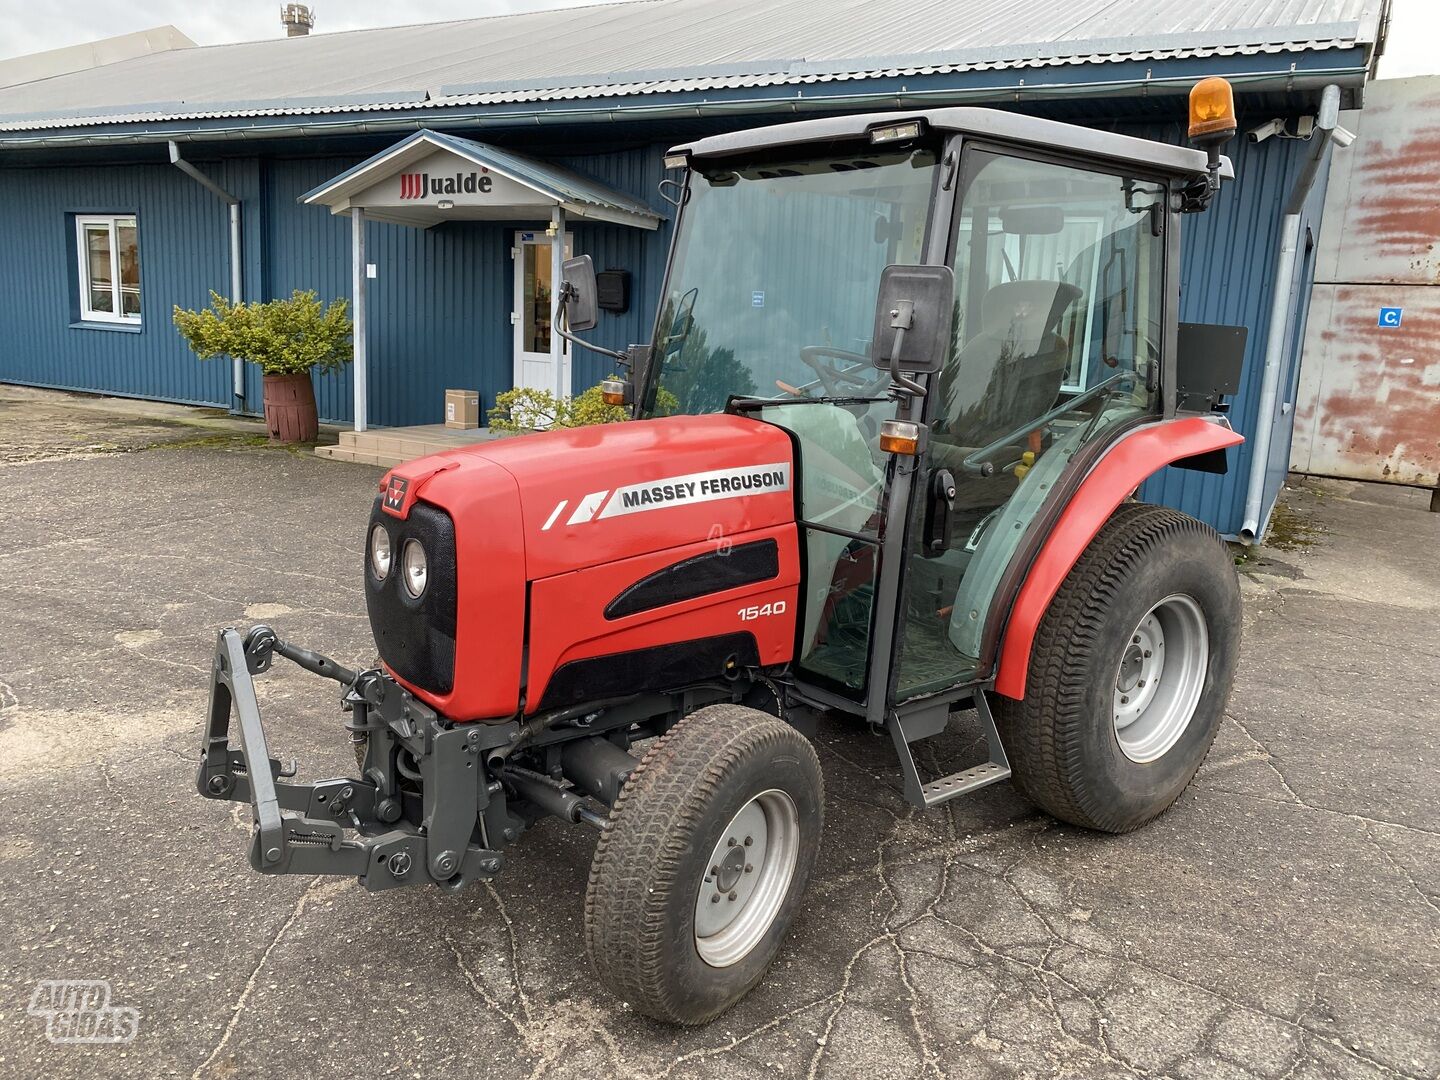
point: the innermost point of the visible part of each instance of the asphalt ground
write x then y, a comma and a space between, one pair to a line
1282, 921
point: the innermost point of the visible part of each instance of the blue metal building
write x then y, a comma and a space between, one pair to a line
187, 170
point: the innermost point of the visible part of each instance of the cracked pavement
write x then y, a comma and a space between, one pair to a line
1281, 922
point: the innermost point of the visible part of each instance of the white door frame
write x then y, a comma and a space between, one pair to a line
540, 239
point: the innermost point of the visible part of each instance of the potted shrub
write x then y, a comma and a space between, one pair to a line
288, 339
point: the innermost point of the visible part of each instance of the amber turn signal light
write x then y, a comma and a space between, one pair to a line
1212, 110
902, 437
615, 392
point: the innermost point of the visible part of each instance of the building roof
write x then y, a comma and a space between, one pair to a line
656, 47
90, 54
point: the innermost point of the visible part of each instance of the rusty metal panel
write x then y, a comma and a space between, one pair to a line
1368, 405
1382, 216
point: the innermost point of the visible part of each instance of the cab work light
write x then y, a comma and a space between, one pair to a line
677, 161
615, 391
910, 129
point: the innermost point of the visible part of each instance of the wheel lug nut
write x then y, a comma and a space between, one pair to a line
715, 871
730, 842
732, 896
1141, 683
749, 840
1136, 639
1147, 654
1124, 701
715, 899
748, 868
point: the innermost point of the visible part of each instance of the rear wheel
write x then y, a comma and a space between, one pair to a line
1129, 674
700, 870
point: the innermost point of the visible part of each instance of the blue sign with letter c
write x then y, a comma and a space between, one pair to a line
1391, 316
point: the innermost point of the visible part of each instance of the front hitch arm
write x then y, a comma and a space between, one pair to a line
261, 641
301, 828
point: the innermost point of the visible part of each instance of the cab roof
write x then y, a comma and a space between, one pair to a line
988, 123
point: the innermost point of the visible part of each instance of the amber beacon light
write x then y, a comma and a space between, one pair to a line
1212, 111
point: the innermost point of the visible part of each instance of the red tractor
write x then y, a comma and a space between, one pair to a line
907, 371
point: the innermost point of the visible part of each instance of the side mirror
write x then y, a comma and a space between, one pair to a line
913, 316
578, 292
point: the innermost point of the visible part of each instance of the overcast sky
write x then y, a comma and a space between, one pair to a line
27, 26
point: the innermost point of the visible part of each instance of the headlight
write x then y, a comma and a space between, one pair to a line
416, 570
379, 552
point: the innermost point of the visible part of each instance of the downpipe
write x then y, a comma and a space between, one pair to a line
237, 366
1327, 117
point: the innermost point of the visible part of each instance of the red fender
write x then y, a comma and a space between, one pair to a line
1125, 466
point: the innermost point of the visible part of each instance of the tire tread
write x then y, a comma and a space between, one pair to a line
1043, 732
660, 811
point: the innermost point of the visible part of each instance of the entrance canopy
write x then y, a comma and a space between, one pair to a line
429, 178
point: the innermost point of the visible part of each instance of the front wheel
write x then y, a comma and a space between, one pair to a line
700, 870
1129, 673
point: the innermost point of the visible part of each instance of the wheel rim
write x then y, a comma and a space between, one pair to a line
1160, 678
747, 878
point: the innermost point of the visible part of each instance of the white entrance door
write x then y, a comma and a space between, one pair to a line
534, 366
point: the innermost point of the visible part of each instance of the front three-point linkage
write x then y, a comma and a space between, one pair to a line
407, 833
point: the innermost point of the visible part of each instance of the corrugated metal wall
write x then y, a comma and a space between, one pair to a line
1227, 276
183, 244
439, 308
440, 305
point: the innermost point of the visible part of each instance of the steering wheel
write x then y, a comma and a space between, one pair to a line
860, 379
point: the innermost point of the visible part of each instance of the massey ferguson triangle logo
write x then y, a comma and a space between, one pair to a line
414, 185
395, 493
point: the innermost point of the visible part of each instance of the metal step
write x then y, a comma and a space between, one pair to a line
938, 791
917, 726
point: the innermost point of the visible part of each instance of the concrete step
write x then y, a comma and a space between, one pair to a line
392, 446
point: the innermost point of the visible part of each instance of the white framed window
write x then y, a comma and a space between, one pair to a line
108, 247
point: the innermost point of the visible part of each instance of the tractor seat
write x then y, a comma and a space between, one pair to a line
1011, 371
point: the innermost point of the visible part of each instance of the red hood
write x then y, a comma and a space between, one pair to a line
594, 495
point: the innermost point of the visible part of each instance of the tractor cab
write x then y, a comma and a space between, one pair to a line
924, 478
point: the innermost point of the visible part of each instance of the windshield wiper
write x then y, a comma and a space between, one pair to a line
736, 403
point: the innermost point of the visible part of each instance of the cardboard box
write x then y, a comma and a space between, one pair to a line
462, 408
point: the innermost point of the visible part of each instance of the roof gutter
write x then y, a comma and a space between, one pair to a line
237, 366
498, 115
1252, 528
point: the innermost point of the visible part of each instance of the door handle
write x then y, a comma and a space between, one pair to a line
939, 509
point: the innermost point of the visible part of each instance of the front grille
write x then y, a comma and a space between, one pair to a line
416, 637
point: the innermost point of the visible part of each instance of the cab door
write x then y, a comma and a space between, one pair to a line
1060, 289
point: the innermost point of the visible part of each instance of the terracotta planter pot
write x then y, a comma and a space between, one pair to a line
290, 414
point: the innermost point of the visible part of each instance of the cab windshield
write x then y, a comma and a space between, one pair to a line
773, 283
